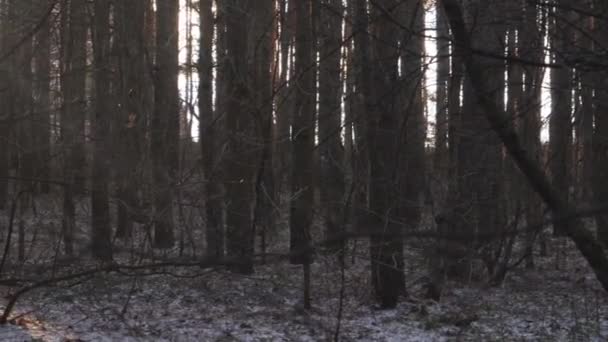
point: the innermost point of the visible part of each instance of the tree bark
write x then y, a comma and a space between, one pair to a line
284, 91
441, 156
5, 112
560, 128
600, 133
531, 41
73, 88
240, 156
101, 237
129, 19
303, 135
165, 121
208, 126
263, 77
330, 121
385, 137
23, 105
42, 127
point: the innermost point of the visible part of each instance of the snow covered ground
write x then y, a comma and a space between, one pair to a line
558, 301
207, 305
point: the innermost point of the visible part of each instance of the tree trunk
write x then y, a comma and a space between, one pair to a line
585, 124
23, 106
5, 113
165, 121
130, 120
76, 102
73, 87
101, 237
385, 137
264, 30
532, 36
443, 74
284, 90
208, 128
413, 163
303, 136
330, 121
301, 212
560, 128
240, 157
364, 106
600, 133
42, 128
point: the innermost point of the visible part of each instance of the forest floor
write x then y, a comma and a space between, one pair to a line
193, 304
560, 300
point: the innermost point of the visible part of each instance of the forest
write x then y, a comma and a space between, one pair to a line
303, 170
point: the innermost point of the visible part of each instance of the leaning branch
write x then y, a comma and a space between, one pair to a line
590, 248
11, 50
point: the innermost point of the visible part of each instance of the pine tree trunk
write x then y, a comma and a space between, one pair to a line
285, 95
264, 30
5, 112
600, 133
73, 87
129, 19
413, 162
76, 47
560, 130
385, 126
530, 117
101, 237
239, 168
303, 136
23, 105
330, 121
42, 128
165, 121
441, 156
362, 108
411, 154
208, 127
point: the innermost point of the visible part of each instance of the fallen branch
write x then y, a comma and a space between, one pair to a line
109, 268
